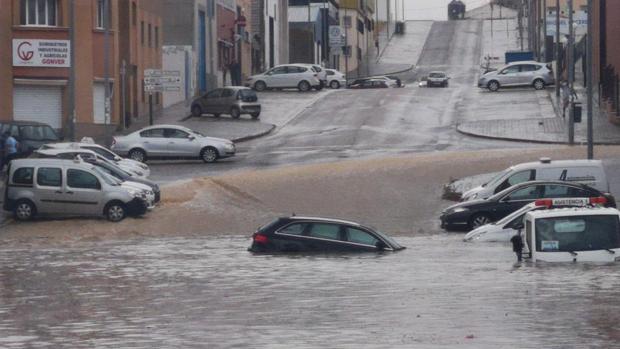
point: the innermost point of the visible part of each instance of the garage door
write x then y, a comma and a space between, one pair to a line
38, 103
99, 103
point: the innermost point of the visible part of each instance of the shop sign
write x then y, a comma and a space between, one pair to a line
41, 53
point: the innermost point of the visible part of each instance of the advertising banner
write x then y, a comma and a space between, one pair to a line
41, 53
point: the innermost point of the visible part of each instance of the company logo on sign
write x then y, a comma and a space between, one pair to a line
41, 53
24, 51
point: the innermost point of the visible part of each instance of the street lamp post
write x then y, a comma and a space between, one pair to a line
106, 66
571, 73
71, 106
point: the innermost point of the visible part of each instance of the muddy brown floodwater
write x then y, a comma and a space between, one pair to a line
210, 293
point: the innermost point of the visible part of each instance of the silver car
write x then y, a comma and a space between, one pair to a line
527, 73
233, 100
300, 76
67, 188
172, 141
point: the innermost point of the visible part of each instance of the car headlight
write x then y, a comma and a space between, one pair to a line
136, 193
459, 209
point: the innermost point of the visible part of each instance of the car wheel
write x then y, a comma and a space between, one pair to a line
493, 86
539, 84
24, 210
255, 115
304, 86
235, 113
209, 155
334, 84
115, 211
260, 86
196, 111
479, 220
137, 154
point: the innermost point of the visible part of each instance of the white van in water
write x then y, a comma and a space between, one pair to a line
573, 235
589, 172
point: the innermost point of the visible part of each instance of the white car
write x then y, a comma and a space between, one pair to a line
73, 153
172, 141
300, 76
322, 74
335, 79
109, 155
507, 227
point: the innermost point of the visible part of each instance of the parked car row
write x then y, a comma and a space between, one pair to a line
553, 211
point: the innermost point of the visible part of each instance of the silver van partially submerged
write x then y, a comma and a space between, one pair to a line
40, 187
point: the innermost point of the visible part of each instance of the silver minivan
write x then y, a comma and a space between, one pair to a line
233, 100
55, 187
527, 73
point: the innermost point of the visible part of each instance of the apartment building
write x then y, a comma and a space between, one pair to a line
34, 78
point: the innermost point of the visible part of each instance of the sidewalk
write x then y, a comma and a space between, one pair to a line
278, 107
523, 114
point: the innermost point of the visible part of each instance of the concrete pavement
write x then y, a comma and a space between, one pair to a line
523, 114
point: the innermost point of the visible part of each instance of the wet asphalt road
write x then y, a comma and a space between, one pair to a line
373, 123
211, 293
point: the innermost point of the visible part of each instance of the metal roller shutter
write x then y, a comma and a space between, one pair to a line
38, 103
99, 103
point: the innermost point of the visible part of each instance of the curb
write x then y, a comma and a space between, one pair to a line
536, 141
254, 136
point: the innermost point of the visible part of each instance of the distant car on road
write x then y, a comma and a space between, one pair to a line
472, 214
302, 234
30, 135
527, 73
300, 76
335, 79
232, 100
372, 83
172, 142
437, 78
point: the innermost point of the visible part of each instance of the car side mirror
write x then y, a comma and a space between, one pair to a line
518, 226
380, 245
191, 138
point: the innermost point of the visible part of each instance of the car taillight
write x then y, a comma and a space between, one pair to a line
260, 238
598, 200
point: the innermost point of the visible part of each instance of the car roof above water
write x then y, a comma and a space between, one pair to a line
321, 219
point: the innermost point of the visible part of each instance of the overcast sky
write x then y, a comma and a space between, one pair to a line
433, 9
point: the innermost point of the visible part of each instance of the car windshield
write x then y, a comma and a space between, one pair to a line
247, 94
577, 233
38, 133
499, 176
436, 75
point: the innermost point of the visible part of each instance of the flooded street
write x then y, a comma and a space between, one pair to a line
211, 293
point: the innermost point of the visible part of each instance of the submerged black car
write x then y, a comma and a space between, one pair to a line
305, 234
472, 214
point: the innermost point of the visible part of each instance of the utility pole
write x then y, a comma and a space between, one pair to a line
106, 67
71, 91
520, 20
589, 76
123, 94
557, 50
571, 73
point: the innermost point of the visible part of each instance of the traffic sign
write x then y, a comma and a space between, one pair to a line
156, 80
336, 37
